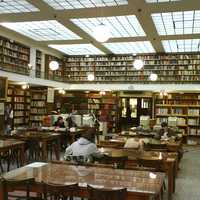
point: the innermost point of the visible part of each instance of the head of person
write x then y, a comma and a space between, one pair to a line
60, 119
89, 133
164, 124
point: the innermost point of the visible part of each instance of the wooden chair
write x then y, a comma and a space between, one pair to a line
16, 185
57, 191
155, 147
105, 194
117, 162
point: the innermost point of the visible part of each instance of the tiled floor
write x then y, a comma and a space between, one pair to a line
188, 180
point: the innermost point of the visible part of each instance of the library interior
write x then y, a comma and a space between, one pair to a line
99, 99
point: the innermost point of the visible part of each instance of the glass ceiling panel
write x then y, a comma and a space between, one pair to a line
130, 47
120, 26
77, 4
160, 1
16, 6
42, 30
78, 49
175, 23
188, 45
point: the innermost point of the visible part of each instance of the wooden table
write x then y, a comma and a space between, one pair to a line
138, 183
172, 146
12, 144
169, 161
44, 138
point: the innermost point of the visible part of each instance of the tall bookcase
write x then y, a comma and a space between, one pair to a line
38, 106
56, 75
14, 57
105, 107
20, 101
171, 68
186, 107
38, 64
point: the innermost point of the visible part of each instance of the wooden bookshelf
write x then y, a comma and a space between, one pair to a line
105, 108
173, 68
14, 56
56, 75
20, 101
38, 106
38, 64
186, 107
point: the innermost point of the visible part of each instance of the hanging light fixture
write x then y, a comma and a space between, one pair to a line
90, 77
138, 64
61, 91
25, 86
101, 33
153, 77
53, 65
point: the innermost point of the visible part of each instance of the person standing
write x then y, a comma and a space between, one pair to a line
8, 119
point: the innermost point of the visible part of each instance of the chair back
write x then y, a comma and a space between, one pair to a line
158, 165
105, 194
13, 185
117, 162
58, 191
155, 147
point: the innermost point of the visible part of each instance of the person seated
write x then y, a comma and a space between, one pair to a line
59, 123
165, 131
83, 148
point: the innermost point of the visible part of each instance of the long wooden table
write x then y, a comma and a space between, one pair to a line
44, 138
169, 161
138, 183
7, 145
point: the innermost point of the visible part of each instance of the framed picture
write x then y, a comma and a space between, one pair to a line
3, 88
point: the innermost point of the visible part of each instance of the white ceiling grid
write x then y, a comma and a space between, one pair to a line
137, 26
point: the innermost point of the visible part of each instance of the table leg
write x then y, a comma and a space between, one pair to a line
44, 151
57, 149
171, 178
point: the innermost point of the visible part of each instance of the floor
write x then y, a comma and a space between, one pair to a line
188, 180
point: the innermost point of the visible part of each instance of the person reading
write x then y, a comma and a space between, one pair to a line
59, 123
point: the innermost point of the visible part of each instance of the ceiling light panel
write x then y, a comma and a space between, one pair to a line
188, 45
175, 23
77, 4
160, 1
78, 49
130, 47
42, 30
119, 26
16, 6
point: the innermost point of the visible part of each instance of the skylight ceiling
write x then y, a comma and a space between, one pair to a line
130, 47
189, 45
175, 23
120, 26
78, 49
76, 4
42, 30
160, 1
16, 6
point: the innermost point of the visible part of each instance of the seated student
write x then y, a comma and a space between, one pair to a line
83, 147
60, 122
165, 131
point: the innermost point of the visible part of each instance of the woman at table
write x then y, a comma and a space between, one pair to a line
59, 123
84, 148
165, 131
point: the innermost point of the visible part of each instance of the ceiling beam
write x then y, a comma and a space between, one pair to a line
147, 24
180, 37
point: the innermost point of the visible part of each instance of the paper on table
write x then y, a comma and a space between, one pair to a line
36, 164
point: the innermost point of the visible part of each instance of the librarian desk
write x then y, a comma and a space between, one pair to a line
7, 145
44, 138
169, 161
139, 184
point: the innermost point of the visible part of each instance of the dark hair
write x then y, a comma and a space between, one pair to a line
59, 118
164, 124
89, 133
